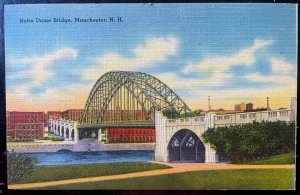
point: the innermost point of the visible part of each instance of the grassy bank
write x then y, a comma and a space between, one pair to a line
54, 173
198, 180
288, 158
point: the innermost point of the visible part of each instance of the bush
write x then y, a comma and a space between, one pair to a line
57, 139
19, 166
252, 141
23, 140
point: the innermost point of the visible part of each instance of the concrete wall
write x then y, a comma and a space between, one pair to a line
37, 147
81, 146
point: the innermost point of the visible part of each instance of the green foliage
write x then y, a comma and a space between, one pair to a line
173, 114
248, 179
252, 141
19, 167
54, 173
288, 158
56, 138
191, 114
23, 140
197, 112
170, 114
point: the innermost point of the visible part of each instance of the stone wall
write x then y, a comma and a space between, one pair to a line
81, 146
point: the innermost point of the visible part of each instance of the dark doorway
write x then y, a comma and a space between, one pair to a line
185, 146
72, 134
67, 133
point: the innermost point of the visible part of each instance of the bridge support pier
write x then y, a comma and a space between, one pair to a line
65, 131
76, 134
166, 130
210, 154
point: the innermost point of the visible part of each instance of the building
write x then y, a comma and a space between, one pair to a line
131, 135
249, 106
125, 115
25, 125
54, 115
240, 107
72, 114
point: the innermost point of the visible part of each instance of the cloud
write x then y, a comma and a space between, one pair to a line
216, 69
39, 67
222, 64
154, 50
174, 81
60, 98
283, 73
195, 90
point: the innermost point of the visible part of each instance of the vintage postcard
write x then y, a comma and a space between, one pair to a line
151, 96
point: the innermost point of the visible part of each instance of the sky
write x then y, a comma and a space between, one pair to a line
231, 52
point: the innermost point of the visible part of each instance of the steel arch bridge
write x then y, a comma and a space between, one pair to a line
127, 98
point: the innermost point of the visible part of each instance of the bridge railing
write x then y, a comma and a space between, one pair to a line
186, 121
249, 117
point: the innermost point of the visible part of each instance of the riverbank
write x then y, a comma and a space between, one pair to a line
56, 173
183, 176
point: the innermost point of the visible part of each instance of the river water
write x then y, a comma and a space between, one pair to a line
75, 158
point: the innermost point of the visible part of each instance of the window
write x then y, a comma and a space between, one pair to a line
272, 114
284, 113
219, 117
243, 116
226, 117
252, 115
190, 143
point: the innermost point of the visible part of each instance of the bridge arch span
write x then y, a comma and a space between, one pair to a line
129, 96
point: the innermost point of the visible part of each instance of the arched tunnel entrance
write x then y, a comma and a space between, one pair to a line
185, 146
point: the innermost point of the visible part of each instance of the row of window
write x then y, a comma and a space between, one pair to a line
118, 132
253, 115
117, 139
29, 127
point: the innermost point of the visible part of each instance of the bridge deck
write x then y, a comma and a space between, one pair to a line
118, 124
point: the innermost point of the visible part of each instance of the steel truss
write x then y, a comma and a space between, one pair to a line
120, 96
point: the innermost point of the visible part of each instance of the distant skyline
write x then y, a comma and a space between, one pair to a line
231, 52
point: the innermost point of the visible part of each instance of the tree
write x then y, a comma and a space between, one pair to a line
170, 113
191, 114
253, 140
19, 166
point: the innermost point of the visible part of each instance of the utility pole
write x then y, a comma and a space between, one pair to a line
268, 106
209, 108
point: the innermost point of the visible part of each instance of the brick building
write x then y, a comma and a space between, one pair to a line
240, 107
72, 114
54, 114
25, 125
249, 107
125, 115
131, 135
